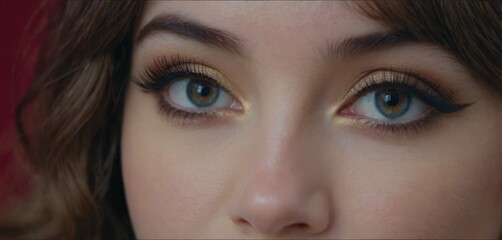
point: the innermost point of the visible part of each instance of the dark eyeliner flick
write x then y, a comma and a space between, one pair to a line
440, 98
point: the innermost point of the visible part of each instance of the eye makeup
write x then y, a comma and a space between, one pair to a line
158, 78
392, 89
438, 100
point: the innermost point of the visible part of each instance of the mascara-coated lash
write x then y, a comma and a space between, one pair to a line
440, 100
164, 71
434, 95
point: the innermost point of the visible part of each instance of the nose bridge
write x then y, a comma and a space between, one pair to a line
281, 190
277, 178
279, 136
282, 117
279, 155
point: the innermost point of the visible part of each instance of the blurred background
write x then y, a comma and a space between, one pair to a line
20, 32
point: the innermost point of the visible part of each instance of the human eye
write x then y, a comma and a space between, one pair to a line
397, 101
188, 91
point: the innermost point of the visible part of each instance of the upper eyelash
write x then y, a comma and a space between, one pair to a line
152, 77
406, 77
433, 94
155, 78
438, 97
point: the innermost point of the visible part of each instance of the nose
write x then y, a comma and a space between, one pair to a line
279, 209
283, 194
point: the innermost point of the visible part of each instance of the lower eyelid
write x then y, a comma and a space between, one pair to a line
391, 132
185, 118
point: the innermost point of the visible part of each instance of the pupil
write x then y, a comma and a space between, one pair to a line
201, 94
392, 103
203, 90
391, 98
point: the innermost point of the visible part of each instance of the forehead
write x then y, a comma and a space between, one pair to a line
258, 24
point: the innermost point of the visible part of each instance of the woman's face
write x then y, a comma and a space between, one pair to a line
295, 119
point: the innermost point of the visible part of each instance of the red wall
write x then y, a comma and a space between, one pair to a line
17, 48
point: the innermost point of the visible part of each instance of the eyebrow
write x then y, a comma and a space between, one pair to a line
190, 29
186, 28
372, 42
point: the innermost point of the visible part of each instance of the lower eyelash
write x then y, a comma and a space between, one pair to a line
399, 129
184, 117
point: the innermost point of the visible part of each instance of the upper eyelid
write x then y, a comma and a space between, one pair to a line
164, 64
400, 76
416, 86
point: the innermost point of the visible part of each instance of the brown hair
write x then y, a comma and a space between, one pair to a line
69, 124
470, 30
70, 118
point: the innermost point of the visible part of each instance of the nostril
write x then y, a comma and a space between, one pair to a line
242, 221
242, 225
300, 226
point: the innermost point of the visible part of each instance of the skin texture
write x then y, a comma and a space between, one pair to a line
289, 164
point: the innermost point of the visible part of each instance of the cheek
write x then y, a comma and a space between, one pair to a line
178, 182
167, 200
440, 188
173, 182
